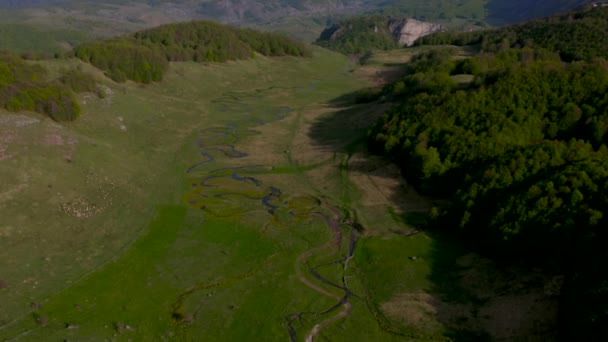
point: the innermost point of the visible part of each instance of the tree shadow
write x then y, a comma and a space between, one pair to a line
394, 65
347, 124
467, 292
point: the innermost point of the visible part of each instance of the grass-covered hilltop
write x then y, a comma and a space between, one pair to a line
144, 56
141, 57
516, 137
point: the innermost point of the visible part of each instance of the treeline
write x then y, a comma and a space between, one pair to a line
578, 35
26, 86
144, 57
358, 35
123, 59
522, 154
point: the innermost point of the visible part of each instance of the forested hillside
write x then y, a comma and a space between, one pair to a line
380, 32
27, 87
55, 26
581, 34
144, 56
521, 151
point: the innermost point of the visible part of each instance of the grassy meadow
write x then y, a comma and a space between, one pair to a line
220, 204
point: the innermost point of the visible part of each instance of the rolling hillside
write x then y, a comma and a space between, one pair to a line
576, 35
516, 137
144, 56
167, 196
303, 19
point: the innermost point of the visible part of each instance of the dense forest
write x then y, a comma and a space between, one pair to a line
581, 34
373, 31
521, 152
145, 56
26, 86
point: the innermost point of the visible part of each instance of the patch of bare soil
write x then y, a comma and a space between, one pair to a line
55, 139
14, 130
16, 120
509, 305
381, 183
422, 311
386, 68
379, 76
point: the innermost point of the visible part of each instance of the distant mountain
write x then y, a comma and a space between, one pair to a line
512, 11
28, 3
302, 19
262, 10
498, 11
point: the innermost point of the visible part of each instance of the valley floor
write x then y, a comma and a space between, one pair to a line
235, 202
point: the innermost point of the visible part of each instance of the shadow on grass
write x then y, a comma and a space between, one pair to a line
394, 65
344, 130
457, 307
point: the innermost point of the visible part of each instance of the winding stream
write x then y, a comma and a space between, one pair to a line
222, 184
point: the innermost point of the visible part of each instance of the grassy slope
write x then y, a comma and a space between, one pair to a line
141, 169
149, 265
23, 37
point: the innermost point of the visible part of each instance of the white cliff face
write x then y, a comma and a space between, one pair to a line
403, 31
406, 31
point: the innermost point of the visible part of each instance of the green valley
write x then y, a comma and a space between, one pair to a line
212, 235
165, 177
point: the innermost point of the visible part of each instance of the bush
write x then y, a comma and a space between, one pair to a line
25, 87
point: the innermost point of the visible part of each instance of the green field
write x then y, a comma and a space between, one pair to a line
143, 244
220, 204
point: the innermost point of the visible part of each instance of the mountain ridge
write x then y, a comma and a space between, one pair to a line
498, 11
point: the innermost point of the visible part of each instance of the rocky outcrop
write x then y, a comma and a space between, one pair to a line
330, 33
407, 31
403, 31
